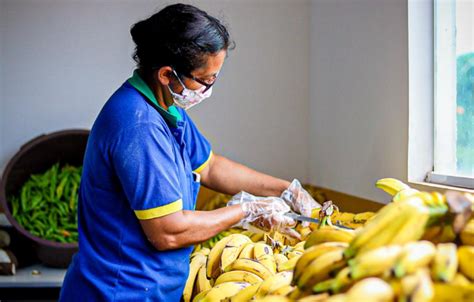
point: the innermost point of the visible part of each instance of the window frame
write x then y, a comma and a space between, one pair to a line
423, 113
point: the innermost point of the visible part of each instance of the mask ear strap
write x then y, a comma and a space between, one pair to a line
181, 82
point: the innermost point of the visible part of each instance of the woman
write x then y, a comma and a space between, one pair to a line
144, 162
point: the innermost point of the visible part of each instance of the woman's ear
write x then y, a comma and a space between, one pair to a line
164, 75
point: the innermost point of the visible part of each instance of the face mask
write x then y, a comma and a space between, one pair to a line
188, 98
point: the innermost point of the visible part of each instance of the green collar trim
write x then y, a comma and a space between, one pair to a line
172, 115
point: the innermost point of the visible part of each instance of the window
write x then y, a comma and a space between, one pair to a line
441, 92
453, 93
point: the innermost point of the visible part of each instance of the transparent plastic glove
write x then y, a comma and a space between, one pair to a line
264, 213
299, 200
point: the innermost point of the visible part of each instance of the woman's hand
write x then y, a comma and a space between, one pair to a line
265, 213
299, 200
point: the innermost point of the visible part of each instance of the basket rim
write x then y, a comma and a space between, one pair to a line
4, 203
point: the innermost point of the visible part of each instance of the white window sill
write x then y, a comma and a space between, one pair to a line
427, 186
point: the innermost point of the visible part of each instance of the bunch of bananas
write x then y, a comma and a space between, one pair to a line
409, 250
239, 268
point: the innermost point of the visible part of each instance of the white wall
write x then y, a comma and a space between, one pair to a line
358, 94
342, 62
62, 59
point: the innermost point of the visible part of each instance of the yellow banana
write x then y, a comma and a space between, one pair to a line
197, 262
273, 298
343, 217
314, 298
273, 283
315, 251
329, 234
374, 262
279, 260
432, 233
298, 293
305, 232
414, 256
199, 297
232, 249
393, 213
202, 283
242, 276
214, 257
386, 236
246, 294
223, 291
324, 286
371, 289
320, 268
467, 234
362, 217
283, 291
429, 199
417, 287
439, 198
294, 254
202, 250
288, 265
247, 251
414, 226
342, 280
461, 280
404, 194
446, 235
453, 293
264, 254
391, 186
250, 265
466, 261
340, 298
299, 246
445, 262
257, 236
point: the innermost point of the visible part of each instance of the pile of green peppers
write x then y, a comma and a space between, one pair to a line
46, 205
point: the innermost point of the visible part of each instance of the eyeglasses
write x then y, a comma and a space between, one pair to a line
202, 82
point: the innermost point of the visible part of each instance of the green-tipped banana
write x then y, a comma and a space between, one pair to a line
374, 262
273, 283
320, 268
417, 287
415, 255
371, 289
329, 234
445, 262
315, 251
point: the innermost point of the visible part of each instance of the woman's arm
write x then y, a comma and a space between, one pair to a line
226, 176
185, 228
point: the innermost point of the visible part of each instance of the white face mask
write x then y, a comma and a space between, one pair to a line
188, 98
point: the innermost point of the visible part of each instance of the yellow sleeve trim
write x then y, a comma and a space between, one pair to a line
201, 167
160, 211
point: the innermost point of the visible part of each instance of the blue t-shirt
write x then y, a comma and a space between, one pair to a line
138, 164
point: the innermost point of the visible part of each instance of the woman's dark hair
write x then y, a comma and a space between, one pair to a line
180, 36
